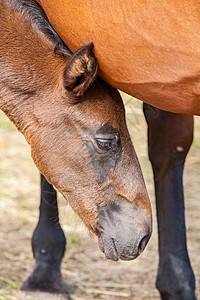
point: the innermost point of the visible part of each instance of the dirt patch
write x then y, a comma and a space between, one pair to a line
84, 267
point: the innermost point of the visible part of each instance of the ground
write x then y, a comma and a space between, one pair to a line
84, 267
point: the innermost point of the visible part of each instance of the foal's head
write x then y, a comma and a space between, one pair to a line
76, 128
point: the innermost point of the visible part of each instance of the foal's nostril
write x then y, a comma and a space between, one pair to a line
143, 243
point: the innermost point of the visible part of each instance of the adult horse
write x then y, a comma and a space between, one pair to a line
78, 138
151, 51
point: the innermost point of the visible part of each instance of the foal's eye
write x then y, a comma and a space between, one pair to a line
104, 144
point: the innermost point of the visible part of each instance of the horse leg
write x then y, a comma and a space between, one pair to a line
169, 139
48, 245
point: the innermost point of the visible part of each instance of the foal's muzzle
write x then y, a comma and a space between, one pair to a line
124, 230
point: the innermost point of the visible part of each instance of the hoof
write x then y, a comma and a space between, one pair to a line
46, 278
176, 281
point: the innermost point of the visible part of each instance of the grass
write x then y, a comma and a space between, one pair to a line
11, 283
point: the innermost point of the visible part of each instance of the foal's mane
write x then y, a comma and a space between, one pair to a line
33, 11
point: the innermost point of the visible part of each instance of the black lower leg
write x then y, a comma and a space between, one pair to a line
169, 139
48, 245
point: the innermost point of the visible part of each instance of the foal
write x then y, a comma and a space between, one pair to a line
77, 133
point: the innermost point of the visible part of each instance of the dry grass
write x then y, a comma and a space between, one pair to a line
84, 266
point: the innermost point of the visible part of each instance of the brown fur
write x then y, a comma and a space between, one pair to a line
148, 49
35, 97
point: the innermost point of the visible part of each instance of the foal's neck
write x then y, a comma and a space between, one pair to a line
30, 70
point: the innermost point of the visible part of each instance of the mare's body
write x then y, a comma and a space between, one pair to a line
149, 49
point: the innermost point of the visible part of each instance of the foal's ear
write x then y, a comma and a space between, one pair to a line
81, 70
